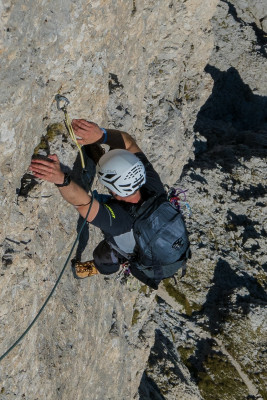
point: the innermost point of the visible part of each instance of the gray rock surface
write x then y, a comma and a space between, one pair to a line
187, 80
221, 334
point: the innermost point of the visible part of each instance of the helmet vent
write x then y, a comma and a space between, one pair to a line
109, 176
134, 171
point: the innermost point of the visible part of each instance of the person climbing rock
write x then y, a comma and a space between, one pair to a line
131, 181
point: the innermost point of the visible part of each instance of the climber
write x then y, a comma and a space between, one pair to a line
130, 179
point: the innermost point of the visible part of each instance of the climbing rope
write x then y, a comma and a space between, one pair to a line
70, 130
59, 100
52, 291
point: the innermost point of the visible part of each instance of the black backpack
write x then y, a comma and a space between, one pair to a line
162, 243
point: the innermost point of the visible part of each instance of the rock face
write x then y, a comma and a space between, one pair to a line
224, 291
187, 80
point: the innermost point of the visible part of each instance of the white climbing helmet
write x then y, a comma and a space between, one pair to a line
121, 172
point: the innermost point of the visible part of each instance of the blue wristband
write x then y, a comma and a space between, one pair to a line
105, 135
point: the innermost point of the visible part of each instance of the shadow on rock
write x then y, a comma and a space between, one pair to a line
164, 357
259, 33
148, 389
231, 292
249, 232
196, 361
233, 120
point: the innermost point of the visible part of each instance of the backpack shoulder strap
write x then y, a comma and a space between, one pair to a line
150, 204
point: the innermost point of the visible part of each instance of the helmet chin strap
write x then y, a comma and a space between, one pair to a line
132, 198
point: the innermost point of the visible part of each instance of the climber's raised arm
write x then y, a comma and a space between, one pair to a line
89, 132
74, 194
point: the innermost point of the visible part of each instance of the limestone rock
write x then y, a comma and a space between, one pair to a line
187, 80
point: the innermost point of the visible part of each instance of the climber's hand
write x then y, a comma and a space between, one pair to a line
86, 132
47, 170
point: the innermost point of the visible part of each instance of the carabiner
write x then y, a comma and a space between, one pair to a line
59, 99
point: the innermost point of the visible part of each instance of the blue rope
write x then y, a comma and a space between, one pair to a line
54, 288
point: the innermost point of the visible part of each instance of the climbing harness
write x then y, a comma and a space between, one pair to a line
66, 102
124, 271
177, 197
59, 99
125, 277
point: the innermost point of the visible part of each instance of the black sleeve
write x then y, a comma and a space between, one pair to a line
113, 218
153, 182
114, 139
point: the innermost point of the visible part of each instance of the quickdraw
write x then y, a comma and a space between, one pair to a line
66, 102
125, 273
177, 197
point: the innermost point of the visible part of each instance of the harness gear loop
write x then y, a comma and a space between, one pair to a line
177, 197
63, 108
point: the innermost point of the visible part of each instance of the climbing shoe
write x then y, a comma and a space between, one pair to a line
85, 269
